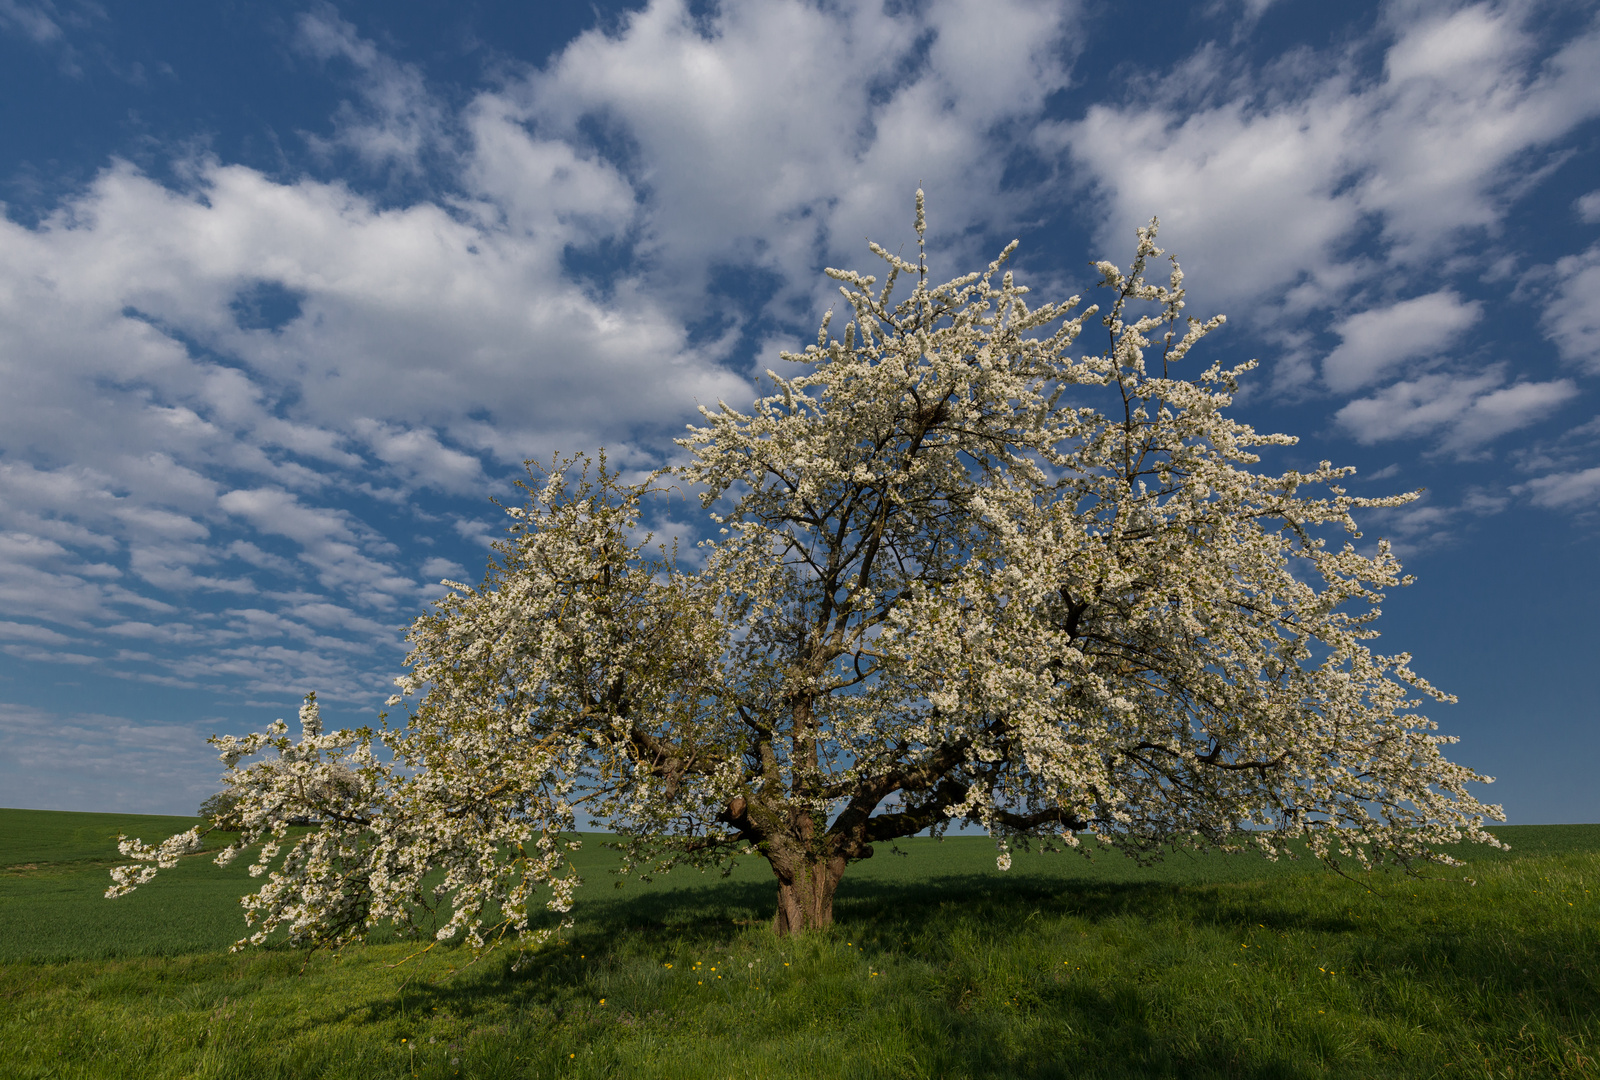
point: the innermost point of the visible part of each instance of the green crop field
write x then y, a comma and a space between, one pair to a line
939, 966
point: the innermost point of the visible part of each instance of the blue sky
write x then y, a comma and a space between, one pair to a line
288, 291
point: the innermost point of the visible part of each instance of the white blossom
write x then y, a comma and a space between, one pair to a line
960, 573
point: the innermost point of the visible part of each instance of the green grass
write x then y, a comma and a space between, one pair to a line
54, 869
939, 967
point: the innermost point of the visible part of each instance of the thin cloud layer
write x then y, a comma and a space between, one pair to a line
1567, 491
51, 761
1572, 317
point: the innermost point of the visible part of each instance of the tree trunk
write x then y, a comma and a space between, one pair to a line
805, 894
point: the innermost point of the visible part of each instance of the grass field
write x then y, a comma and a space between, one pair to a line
939, 966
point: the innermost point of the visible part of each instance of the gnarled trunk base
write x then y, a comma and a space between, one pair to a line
805, 895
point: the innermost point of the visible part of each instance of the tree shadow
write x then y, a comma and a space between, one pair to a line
1042, 1033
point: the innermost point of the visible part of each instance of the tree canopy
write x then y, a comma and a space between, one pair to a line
959, 573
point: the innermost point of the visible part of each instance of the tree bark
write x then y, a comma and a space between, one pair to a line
805, 894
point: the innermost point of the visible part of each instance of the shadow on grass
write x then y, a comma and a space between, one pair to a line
964, 1012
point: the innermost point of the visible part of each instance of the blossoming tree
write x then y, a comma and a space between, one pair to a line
961, 573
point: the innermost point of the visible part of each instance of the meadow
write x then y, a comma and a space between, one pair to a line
939, 966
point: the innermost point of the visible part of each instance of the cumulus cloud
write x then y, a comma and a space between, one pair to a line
1263, 187
1465, 411
329, 541
229, 404
781, 134
153, 434
1377, 340
1250, 11
201, 380
1253, 201
1459, 108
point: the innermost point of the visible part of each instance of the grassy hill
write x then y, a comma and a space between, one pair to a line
940, 966
54, 868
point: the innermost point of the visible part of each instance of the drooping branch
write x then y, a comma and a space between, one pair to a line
946, 577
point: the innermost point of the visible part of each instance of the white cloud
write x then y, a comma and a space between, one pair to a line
479, 532
33, 21
1460, 106
177, 633
173, 569
782, 133
397, 120
410, 318
216, 489
1566, 491
1572, 316
56, 761
279, 512
426, 343
1588, 207
542, 188
21, 547
437, 568
1253, 202
1262, 189
1466, 411
419, 457
333, 615
1505, 410
1377, 340
245, 551
329, 541
167, 439
69, 599
1427, 524
34, 655
38, 635
1413, 407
